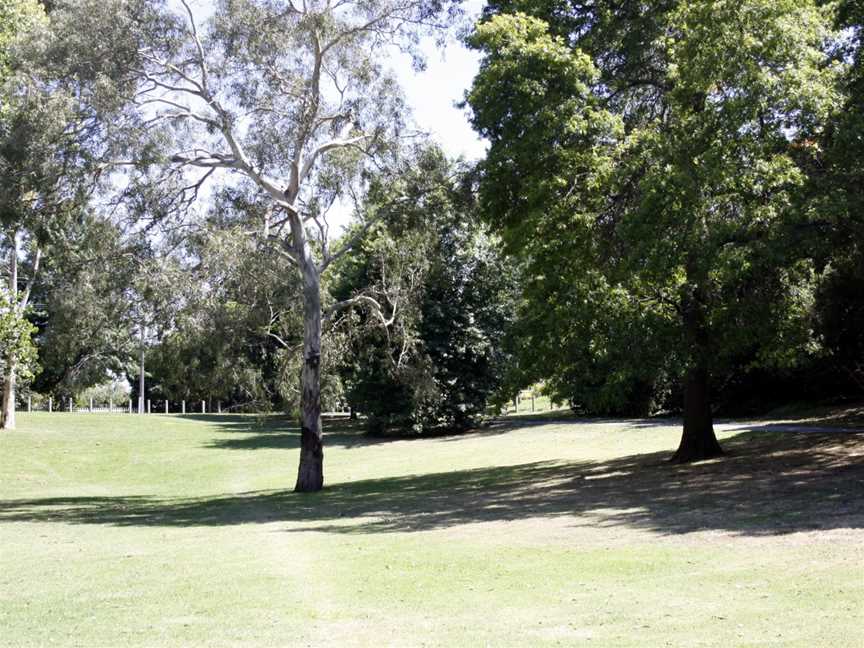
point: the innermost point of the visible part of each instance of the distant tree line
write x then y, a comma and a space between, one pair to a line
668, 219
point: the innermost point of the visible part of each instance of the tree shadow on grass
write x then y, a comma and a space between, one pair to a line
281, 432
278, 431
768, 484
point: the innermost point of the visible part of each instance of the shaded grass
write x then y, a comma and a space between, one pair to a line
182, 531
767, 484
830, 415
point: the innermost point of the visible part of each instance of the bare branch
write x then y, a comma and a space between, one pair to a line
202, 63
329, 146
214, 160
359, 299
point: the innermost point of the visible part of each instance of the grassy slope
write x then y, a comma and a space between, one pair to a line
118, 530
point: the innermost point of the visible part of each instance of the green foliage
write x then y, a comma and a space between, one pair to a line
237, 333
448, 297
43, 134
17, 18
836, 214
840, 321
16, 340
219, 344
84, 310
645, 164
111, 390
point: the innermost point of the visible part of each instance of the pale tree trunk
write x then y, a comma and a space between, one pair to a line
8, 422
698, 440
7, 417
141, 373
310, 474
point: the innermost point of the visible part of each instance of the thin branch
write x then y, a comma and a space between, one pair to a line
353, 301
201, 60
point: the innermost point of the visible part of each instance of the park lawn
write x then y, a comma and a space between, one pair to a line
119, 530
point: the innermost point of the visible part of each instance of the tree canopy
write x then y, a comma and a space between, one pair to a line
650, 155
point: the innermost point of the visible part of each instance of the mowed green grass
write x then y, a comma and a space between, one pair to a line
120, 530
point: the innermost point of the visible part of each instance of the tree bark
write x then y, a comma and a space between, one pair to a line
7, 416
141, 372
697, 439
310, 474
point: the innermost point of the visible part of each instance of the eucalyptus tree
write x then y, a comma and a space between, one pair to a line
290, 100
644, 159
16, 18
32, 124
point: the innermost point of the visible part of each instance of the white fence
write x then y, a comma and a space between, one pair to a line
127, 407
145, 407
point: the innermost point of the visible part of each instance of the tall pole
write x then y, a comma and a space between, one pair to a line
141, 375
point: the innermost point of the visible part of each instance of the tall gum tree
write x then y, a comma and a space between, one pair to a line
650, 149
287, 99
34, 164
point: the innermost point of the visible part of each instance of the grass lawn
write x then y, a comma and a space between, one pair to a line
120, 530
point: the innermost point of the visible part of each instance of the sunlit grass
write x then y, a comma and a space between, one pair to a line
161, 530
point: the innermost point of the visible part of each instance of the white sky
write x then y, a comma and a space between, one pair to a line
434, 92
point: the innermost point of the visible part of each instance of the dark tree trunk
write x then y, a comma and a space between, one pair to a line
697, 439
310, 475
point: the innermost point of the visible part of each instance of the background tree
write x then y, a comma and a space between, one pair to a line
836, 215
49, 137
15, 340
291, 101
434, 267
83, 307
239, 327
654, 147
28, 127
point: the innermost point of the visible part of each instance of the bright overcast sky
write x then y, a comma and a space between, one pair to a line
434, 92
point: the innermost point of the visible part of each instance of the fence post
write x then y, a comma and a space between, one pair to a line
219, 406
29, 403
50, 405
183, 407
203, 407
91, 405
70, 403
148, 405
166, 405
532, 402
130, 405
